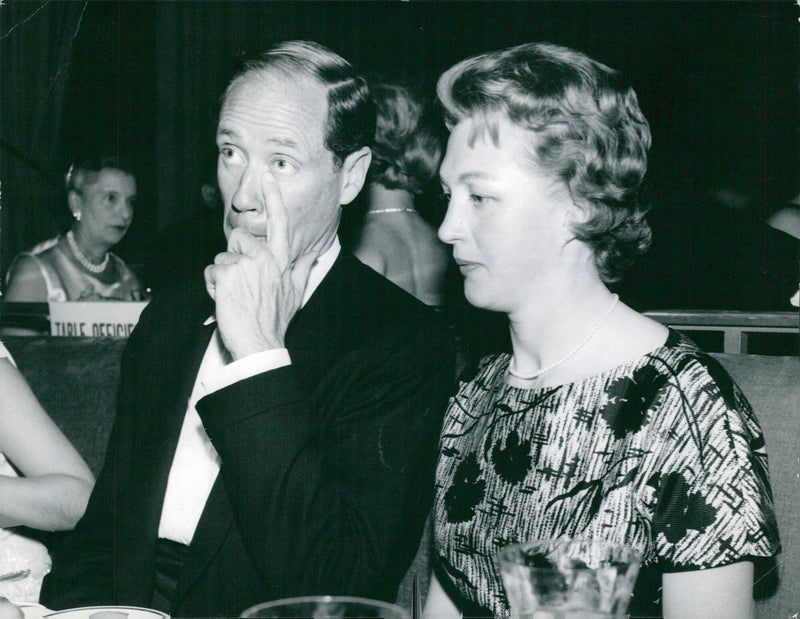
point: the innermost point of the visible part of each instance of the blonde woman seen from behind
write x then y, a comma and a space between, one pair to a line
395, 240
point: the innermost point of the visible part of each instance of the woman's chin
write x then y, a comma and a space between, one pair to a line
480, 298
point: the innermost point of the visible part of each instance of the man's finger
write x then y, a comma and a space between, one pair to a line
210, 275
277, 221
242, 243
301, 270
228, 257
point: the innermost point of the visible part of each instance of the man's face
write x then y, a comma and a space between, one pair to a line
270, 124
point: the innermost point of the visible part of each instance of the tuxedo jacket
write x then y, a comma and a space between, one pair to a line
327, 464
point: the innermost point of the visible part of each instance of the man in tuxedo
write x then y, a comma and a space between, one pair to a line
277, 420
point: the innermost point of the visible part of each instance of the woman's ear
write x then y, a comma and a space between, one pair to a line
74, 202
354, 173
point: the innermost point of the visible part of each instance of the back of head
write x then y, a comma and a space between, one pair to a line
585, 129
351, 114
408, 147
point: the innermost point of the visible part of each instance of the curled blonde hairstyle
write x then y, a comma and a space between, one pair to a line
408, 148
586, 129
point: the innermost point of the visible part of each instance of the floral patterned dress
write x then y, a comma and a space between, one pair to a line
663, 453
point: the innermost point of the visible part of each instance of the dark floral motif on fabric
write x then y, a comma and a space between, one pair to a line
512, 458
466, 491
678, 508
663, 453
630, 397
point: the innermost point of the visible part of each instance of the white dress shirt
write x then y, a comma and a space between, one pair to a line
196, 463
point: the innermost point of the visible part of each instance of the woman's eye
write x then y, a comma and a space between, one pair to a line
478, 200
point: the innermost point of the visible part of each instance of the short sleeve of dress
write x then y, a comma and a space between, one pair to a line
4, 354
710, 500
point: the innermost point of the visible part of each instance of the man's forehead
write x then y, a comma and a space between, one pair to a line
273, 83
277, 102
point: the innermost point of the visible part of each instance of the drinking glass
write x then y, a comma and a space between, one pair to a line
568, 578
327, 607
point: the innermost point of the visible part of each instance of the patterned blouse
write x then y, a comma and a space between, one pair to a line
663, 453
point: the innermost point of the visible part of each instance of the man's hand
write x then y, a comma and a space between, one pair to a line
256, 287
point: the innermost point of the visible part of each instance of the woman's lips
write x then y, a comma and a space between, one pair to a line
466, 267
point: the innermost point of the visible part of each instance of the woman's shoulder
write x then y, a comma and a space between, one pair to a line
26, 279
702, 384
4, 354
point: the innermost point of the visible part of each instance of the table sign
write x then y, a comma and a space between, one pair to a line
94, 318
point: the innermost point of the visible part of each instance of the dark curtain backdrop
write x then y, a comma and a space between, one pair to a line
36, 43
718, 82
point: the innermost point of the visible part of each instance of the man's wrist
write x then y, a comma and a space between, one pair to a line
246, 367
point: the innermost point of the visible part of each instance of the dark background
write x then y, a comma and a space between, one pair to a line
718, 82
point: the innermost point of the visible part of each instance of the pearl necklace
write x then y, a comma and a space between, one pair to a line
569, 355
391, 210
85, 262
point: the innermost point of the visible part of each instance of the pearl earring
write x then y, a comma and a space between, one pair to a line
77, 215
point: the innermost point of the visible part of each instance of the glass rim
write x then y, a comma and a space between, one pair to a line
326, 599
505, 553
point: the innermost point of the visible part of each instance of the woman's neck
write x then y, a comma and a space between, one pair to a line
553, 325
382, 199
95, 251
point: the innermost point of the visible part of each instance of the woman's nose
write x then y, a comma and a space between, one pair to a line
450, 226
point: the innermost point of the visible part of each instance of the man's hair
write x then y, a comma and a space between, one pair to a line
351, 114
585, 128
408, 145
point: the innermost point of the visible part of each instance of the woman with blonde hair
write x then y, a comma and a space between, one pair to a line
601, 423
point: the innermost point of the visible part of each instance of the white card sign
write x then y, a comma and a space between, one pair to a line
95, 318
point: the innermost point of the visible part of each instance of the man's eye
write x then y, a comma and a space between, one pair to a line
281, 164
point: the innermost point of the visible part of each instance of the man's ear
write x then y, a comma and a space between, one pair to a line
354, 173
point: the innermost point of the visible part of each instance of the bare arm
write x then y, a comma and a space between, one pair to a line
26, 282
56, 485
438, 604
722, 592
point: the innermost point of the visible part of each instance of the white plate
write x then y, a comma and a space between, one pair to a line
107, 612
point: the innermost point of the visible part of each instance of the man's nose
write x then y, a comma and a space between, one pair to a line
247, 196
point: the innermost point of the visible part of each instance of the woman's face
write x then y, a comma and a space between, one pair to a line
508, 225
106, 206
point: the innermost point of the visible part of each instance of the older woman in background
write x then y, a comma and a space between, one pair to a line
44, 484
78, 266
602, 423
395, 240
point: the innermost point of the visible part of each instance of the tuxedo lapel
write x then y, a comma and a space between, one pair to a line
178, 357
